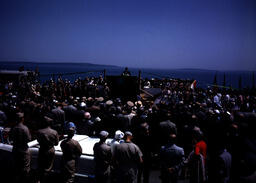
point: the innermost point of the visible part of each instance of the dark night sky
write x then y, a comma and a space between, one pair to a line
209, 34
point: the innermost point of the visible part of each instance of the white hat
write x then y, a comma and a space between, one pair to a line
119, 135
97, 119
83, 104
109, 102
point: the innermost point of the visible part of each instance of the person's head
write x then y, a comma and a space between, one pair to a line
172, 138
87, 115
59, 104
19, 117
197, 135
128, 136
71, 132
70, 125
144, 129
119, 135
103, 136
46, 121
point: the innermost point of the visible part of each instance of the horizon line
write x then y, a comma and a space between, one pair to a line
178, 68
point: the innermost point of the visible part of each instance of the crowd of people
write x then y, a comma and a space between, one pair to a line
204, 135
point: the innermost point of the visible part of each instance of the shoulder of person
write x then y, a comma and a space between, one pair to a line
136, 147
106, 146
63, 142
179, 148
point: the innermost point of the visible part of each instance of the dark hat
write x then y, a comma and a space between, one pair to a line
103, 134
118, 100
48, 119
168, 127
128, 133
197, 133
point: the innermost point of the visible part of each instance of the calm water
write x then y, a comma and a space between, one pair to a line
203, 77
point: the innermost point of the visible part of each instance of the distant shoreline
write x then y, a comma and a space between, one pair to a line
115, 66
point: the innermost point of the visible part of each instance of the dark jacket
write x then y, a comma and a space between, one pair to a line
171, 156
102, 158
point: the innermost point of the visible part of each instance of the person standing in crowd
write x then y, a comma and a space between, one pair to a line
47, 139
197, 158
220, 168
118, 139
200, 145
3, 117
21, 136
71, 152
145, 144
128, 158
119, 135
102, 158
171, 160
126, 72
58, 118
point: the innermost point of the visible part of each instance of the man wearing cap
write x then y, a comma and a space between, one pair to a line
102, 158
117, 140
128, 116
71, 152
21, 136
47, 139
128, 157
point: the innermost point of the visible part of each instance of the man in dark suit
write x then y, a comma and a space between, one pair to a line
172, 160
